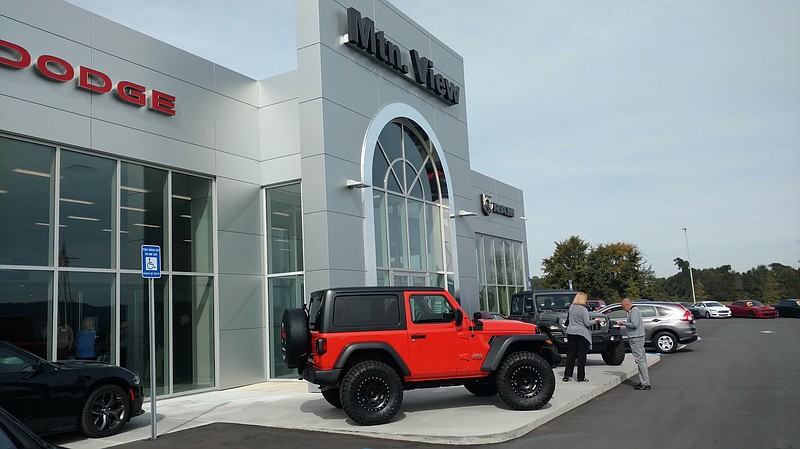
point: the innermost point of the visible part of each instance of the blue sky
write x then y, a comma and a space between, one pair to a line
620, 121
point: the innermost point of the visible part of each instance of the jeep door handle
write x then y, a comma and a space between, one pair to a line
417, 336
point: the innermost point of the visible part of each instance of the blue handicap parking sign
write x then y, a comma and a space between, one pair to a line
151, 261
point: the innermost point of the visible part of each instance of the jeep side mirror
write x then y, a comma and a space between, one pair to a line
459, 317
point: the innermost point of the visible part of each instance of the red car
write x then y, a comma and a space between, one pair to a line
752, 309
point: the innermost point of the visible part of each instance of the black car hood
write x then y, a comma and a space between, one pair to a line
94, 369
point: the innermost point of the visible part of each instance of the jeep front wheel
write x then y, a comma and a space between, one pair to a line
295, 338
371, 393
525, 381
615, 354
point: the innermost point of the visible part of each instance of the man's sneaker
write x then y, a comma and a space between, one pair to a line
642, 387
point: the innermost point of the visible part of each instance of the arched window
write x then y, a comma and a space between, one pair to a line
411, 207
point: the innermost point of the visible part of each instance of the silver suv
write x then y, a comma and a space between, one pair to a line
666, 324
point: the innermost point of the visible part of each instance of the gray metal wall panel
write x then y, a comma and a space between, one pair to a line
51, 124
239, 208
241, 357
241, 303
240, 253
236, 127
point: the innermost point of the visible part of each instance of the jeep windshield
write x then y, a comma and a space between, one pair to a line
555, 301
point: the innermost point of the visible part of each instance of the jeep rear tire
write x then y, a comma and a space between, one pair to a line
371, 393
525, 381
615, 354
332, 396
295, 338
483, 387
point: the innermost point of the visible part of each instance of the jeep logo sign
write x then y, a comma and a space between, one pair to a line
490, 207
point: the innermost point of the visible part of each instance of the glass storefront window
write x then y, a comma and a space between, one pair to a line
284, 293
88, 301
26, 312
87, 207
26, 203
500, 268
285, 284
83, 262
191, 224
142, 214
285, 229
134, 329
192, 332
412, 241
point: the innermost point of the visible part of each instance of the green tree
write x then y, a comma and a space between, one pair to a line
567, 262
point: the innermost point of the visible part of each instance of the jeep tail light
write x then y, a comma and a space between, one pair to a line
687, 316
322, 346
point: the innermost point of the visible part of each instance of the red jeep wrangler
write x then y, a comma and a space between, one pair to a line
364, 346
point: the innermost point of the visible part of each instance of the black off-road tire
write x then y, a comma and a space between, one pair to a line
525, 381
665, 342
332, 396
485, 387
371, 393
105, 412
295, 338
614, 355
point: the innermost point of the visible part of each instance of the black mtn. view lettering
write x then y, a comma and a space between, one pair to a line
362, 35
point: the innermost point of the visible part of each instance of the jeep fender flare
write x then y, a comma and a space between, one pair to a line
349, 350
500, 346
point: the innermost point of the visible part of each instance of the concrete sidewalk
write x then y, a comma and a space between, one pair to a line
443, 415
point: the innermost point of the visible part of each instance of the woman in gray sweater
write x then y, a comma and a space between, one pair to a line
579, 339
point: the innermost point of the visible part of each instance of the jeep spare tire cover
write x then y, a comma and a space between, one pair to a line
295, 338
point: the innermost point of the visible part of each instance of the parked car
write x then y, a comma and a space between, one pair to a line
51, 397
595, 304
666, 324
15, 435
752, 309
691, 308
712, 309
788, 308
487, 315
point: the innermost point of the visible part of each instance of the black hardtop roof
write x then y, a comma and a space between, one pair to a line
543, 292
379, 289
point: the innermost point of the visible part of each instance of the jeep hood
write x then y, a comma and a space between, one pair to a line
510, 326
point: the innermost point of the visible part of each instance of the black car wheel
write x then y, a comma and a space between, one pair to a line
295, 338
332, 396
372, 393
614, 355
751, 314
525, 381
708, 314
666, 343
482, 388
105, 412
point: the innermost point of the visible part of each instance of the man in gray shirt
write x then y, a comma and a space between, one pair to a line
635, 328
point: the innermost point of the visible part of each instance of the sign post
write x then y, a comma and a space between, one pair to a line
151, 269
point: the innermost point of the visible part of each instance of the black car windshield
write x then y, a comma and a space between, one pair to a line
555, 301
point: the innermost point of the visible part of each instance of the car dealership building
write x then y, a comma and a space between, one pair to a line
354, 169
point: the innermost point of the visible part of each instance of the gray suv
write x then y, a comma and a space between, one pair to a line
666, 324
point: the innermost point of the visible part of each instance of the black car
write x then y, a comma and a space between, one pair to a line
788, 308
15, 435
50, 397
691, 308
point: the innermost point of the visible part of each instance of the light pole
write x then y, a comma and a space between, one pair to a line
689, 259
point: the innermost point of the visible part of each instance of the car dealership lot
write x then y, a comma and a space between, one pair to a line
741, 371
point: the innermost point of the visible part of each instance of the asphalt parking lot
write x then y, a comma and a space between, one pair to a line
444, 415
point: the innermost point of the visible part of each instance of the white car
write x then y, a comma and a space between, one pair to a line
712, 309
